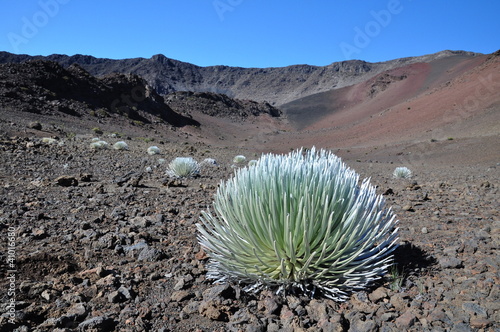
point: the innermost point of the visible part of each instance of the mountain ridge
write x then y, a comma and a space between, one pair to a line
276, 85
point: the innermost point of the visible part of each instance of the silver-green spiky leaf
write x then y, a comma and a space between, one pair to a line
298, 221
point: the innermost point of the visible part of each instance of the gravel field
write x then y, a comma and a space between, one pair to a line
104, 240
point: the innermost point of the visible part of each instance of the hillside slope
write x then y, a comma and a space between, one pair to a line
440, 107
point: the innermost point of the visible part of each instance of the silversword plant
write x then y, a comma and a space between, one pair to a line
152, 150
298, 221
239, 159
208, 162
402, 173
121, 145
49, 140
98, 145
183, 167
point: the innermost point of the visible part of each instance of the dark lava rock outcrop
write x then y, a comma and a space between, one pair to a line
45, 87
216, 104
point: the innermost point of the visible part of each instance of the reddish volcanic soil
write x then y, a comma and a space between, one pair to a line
454, 105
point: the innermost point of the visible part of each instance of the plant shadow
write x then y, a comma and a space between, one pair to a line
410, 259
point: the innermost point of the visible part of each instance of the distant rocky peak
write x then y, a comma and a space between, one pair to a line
159, 58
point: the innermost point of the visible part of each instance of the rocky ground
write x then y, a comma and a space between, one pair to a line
103, 240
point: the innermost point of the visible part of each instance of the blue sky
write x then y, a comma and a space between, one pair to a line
249, 33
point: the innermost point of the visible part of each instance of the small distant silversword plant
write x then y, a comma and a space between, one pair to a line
208, 162
49, 140
121, 145
252, 162
152, 150
298, 221
183, 167
402, 173
239, 159
98, 145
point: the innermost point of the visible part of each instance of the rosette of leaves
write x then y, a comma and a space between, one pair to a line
98, 145
401, 173
298, 222
208, 162
49, 140
183, 167
239, 159
152, 150
121, 145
